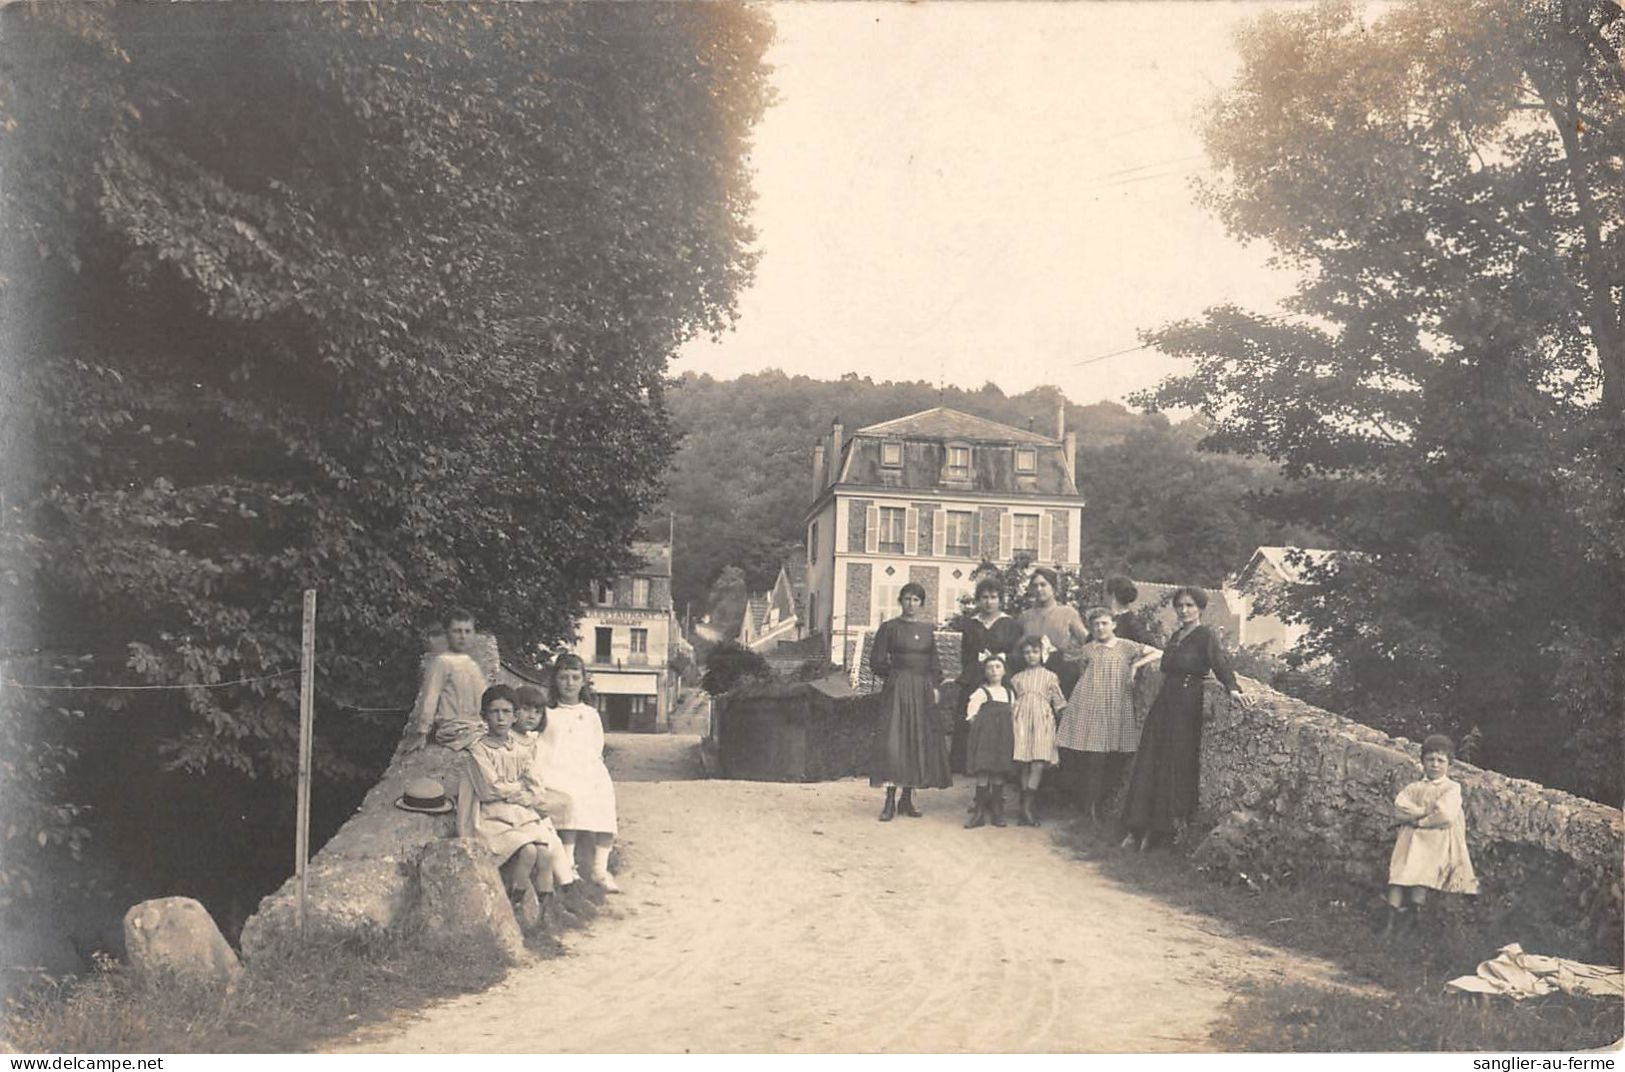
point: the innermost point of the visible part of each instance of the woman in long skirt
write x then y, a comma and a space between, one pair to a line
1163, 787
911, 749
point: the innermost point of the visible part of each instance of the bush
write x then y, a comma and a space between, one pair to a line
728, 664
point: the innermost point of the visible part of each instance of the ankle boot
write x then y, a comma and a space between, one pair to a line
890, 809
905, 806
1032, 808
978, 815
995, 805
1021, 806
1390, 921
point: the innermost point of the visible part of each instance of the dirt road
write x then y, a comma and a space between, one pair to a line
767, 917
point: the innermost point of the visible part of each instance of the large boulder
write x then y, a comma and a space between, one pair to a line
177, 935
461, 898
362, 881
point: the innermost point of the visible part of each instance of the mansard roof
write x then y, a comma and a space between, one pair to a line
951, 424
925, 439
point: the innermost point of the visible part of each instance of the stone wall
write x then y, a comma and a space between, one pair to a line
1291, 785
365, 880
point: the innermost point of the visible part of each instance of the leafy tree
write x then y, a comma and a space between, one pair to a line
1447, 391
1160, 510
374, 299
729, 664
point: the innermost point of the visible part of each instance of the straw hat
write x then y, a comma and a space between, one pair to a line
424, 795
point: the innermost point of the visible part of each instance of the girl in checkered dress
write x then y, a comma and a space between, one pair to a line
1038, 698
1099, 718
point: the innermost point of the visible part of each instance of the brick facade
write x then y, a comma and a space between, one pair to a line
987, 525
1059, 536
928, 528
857, 524
927, 577
859, 585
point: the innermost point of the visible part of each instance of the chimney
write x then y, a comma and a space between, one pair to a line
836, 431
1060, 421
818, 467
1071, 448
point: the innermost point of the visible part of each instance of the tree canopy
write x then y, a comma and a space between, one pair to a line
1447, 387
372, 299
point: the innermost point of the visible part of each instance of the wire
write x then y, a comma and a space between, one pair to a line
145, 688
1114, 353
1275, 319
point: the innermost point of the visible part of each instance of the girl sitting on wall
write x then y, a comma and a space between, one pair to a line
525, 845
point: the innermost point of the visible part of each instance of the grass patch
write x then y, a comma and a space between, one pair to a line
1320, 916
287, 999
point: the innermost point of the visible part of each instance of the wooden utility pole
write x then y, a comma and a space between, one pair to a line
307, 688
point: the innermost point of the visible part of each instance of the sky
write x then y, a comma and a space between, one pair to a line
961, 192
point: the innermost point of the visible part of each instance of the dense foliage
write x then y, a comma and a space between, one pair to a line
728, 664
371, 299
742, 479
1448, 394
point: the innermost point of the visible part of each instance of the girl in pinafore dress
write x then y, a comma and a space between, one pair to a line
1430, 852
502, 816
990, 743
1099, 719
570, 758
1038, 699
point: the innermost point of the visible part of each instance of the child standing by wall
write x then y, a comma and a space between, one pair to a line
1038, 699
990, 743
570, 757
1430, 852
1099, 721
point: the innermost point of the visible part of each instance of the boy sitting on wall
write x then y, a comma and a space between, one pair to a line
447, 709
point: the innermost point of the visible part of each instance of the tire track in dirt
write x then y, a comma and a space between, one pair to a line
784, 918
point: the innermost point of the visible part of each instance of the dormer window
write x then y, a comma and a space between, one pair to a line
1026, 460
891, 454
958, 462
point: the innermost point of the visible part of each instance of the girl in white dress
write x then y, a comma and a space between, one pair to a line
1038, 700
570, 758
1430, 852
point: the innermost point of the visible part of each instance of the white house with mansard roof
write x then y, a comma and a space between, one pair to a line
926, 498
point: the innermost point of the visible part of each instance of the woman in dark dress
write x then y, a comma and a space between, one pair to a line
911, 749
1162, 788
989, 631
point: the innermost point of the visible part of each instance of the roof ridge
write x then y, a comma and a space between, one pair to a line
1017, 434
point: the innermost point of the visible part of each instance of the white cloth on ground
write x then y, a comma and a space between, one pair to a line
1516, 974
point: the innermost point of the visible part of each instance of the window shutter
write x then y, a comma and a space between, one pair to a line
1044, 548
976, 534
1004, 536
911, 534
939, 534
871, 533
